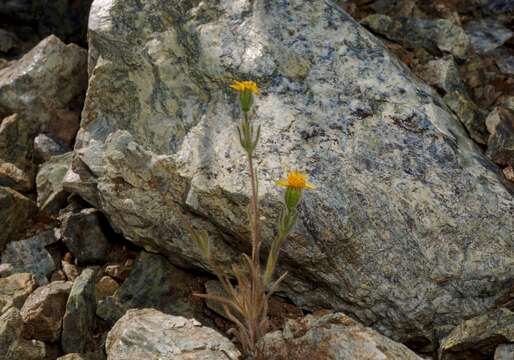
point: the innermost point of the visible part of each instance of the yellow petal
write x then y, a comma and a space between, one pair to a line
310, 186
282, 183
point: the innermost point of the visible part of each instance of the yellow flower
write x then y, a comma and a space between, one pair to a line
245, 86
297, 181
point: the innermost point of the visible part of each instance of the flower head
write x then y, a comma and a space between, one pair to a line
297, 181
247, 85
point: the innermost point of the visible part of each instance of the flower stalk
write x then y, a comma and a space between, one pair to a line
246, 304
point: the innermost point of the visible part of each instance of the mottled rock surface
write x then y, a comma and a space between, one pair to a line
30, 255
151, 334
15, 178
43, 311
411, 227
51, 195
15, 289
432, 35
500, 146
149, 285
79, 318
13, 345
331, 337
479, 336
16, 212
84, 237
47, 85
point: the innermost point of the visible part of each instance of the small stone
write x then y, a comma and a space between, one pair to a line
479, 336
504, 352
71, 271
51, 195
151, 334
14, 177
119, 272
106, 286
43, 311
46, 146
30, 255
15, 289
84, 236
487, 34
469, 115
15, 214
6, 270
13, 345
79, 318
509, 173
500, 146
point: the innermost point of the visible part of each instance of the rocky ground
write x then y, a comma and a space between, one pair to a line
402, 112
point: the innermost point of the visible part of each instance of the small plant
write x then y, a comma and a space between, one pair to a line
246, 303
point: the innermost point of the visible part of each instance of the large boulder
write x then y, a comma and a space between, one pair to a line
153, 335
411, 227
331, 337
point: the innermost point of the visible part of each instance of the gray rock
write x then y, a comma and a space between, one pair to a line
497, 6
43, 311
411, 227
8, 41
500, 146
16, 211
331, 337
479, 336
30, 255
471, 116
504, 352
51, 196
45, 147
444, 74
487, 34
13, 345
45, 84
433, 35
14, 290
82, 234
79, 318
151, 334
149, 285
